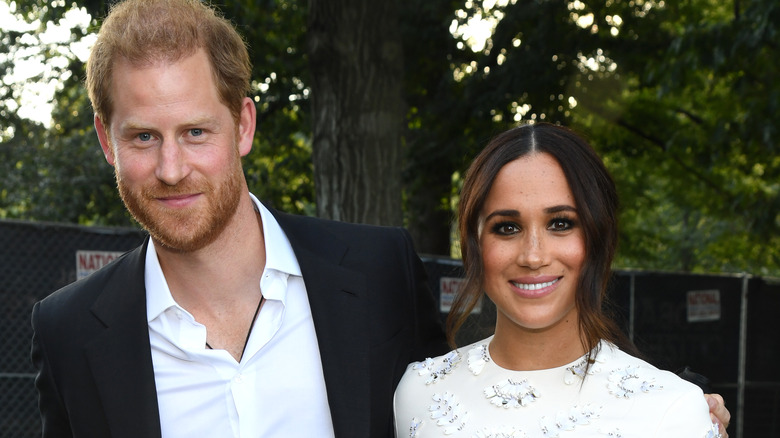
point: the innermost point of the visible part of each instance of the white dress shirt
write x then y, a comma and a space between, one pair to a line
276, 390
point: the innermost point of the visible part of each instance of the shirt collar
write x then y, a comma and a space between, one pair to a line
279, 257
279, 253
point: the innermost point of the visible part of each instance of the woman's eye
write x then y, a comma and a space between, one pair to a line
560, 224
505, 228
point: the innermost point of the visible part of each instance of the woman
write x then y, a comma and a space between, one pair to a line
538, 226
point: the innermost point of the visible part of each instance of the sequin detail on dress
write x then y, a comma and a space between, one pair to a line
568, 420
448, 413
627, 382
414, 427
433, 371
576, 372
500, 432
714, 432
478, 358
510, 394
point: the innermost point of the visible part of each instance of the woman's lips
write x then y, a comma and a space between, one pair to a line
535, 288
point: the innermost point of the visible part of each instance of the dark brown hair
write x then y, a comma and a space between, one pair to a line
597, 203
146, 32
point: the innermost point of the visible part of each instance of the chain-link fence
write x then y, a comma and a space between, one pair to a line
722, 326
35, 260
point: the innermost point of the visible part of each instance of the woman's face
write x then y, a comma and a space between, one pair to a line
532, 246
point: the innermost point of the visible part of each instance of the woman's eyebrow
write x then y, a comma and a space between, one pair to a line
509, 213
560, 208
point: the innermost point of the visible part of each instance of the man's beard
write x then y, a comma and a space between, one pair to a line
188, 229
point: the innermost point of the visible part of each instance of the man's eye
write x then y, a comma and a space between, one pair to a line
196, 132
145, 136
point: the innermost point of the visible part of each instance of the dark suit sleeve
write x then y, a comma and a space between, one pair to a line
54, 417
430, 337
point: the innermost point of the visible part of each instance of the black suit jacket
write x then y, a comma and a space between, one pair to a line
373, 313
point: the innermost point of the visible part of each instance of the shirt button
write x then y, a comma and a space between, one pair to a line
239, 378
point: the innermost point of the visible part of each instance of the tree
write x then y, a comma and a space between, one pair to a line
58, 174
356, 62
657, 89
53, 174
694, 148
678, 97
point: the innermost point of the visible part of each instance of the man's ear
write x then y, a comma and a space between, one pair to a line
246, 126
105, 144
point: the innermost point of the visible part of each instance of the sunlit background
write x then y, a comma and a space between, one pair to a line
33, 82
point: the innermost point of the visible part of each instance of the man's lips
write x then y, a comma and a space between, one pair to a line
182, 200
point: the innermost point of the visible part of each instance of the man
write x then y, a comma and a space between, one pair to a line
232, 319
209, 329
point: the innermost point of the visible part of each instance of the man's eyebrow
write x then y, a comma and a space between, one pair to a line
131, 125
205, 120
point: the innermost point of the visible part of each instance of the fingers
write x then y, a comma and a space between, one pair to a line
718, 412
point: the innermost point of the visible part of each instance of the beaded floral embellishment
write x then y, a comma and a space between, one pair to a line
576, 372
510, 394
613, 432
500, 432
625, 383
478, 358
568, 420
713, 432
414, 427
448, 413
433, 371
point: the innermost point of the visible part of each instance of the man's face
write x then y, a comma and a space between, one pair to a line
176, 151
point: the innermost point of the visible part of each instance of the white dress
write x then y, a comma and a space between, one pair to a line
465, 394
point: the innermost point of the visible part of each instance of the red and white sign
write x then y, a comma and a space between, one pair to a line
448, 289
88, 262
703, 305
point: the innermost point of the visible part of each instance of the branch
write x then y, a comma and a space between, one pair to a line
662, 145
693, 117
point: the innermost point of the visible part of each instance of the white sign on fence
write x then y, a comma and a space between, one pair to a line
448, 288
703, 305
88, 262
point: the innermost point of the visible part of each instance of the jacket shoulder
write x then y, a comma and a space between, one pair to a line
73, 299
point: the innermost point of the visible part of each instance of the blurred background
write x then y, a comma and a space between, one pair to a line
371, 111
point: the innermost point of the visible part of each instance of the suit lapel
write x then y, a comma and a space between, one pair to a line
340, 321
120, 356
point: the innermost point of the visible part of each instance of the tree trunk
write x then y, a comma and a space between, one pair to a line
430, 219
356, 61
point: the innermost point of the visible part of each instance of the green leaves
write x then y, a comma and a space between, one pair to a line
679, 97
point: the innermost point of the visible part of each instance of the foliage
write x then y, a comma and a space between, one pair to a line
678, 97
59, 173
54, 174
693, 127
279, 168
